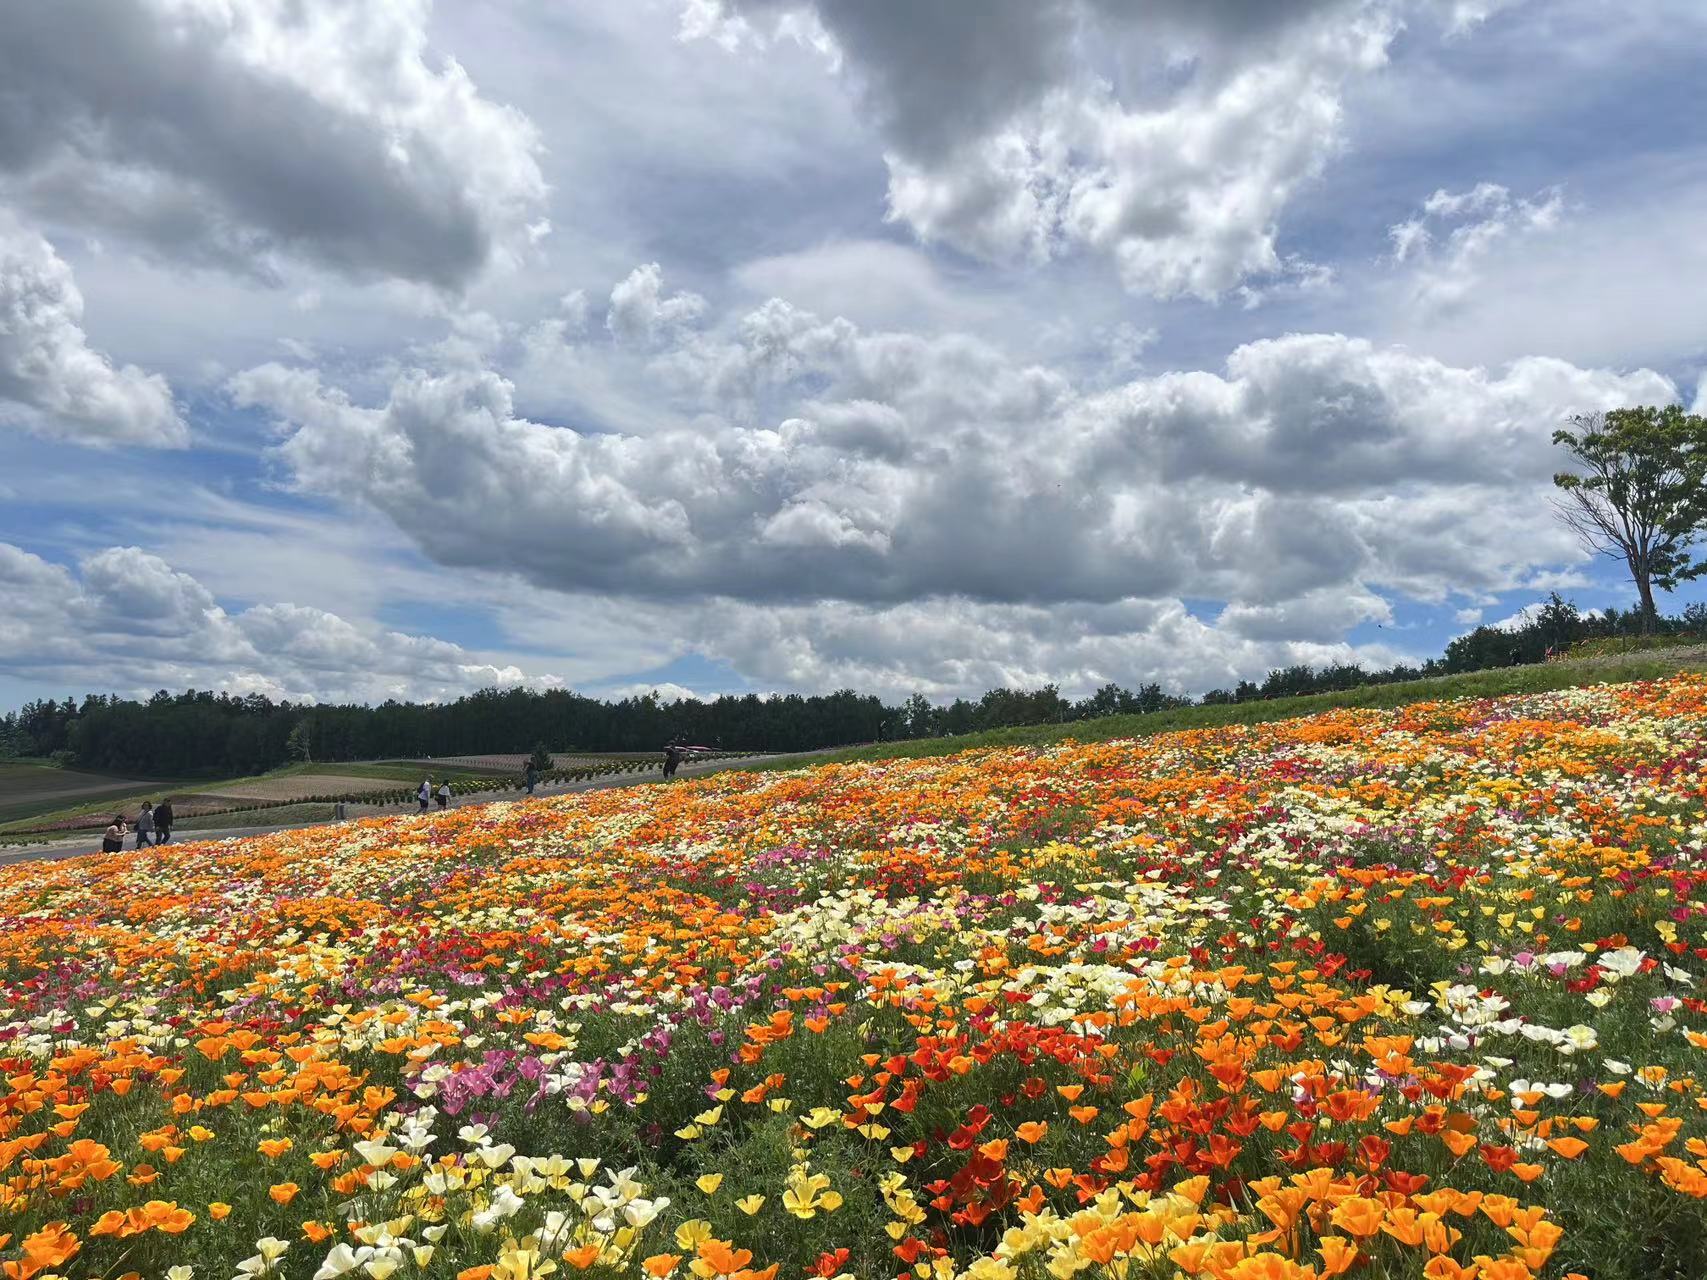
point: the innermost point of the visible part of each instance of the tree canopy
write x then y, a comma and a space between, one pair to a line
1638, 492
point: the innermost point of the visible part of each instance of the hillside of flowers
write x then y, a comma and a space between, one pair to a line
1408, 993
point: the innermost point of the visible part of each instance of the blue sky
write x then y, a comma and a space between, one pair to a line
803, 344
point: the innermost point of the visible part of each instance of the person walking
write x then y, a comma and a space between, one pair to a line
672, 759
444, 793
530, 777
145, 826
112, 840
424, 793
163, 821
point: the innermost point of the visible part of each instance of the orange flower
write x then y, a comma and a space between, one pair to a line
218, 1211
1338, 1254
1032, 1131
1570, 1148
660, 1265
1358, 1215
1441, 1267
283, 1192
1458, 1143
52, 1246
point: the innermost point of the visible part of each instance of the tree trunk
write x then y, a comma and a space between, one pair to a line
1646, 589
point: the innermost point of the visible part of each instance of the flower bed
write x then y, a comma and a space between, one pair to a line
1376, 993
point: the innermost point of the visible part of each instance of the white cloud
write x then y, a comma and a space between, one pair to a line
126, 621
52, 382
819, 461
252, 134
1447, 270
639, 311
1008, 139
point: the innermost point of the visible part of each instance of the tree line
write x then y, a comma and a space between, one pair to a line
199, 732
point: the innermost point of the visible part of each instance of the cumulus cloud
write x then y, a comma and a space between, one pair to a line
125, 620
640, 311
1451, 236
248, 134
956, 647
1169, 135
52, 382
822, 462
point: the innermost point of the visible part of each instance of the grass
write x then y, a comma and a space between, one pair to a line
97, 804
379, 770
29, 789
287, 815
1495, 683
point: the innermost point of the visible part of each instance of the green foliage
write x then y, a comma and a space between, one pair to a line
1639, 492
300, 743
541, 759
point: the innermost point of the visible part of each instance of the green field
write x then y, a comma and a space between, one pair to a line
30, 788
37, 797
1499, 682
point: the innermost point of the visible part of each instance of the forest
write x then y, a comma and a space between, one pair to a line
199, 732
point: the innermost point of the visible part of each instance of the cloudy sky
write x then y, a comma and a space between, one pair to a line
392, 349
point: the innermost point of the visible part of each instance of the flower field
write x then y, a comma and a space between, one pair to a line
1408, 993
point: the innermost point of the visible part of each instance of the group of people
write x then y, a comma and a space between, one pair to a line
153, 826
425, 793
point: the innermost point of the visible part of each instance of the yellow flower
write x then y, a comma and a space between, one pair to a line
709, 1183
750, 1204
690, 1234
808, 1193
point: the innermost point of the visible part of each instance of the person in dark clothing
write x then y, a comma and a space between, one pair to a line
443, 793
530, 777
163, 821
672, 759
1517, 657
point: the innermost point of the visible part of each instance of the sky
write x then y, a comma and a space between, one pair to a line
396, 350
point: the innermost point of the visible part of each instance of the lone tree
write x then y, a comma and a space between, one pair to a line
300, 743
1638, 493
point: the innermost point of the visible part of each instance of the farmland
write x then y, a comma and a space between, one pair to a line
1390, 992
28, 788
298, 793
38, 798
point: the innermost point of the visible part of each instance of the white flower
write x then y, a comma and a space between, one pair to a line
505, 1204
341, 1260
1624, 962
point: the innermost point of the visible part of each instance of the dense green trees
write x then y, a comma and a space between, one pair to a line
202, 733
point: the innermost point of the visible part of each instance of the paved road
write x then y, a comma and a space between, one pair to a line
85, 843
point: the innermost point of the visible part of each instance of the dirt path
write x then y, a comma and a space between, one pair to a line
85, 843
